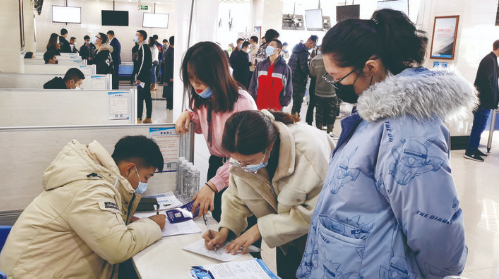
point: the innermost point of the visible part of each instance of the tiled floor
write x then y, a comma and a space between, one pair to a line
478, 189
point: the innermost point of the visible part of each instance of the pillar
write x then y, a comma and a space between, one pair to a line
12, 61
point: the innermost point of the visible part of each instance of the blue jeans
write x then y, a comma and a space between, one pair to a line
154, 73
481, 115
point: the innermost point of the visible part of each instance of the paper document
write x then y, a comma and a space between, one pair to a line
168, 141
188, 227
250, 269
118, 105
98, 82
199, 248
167, 201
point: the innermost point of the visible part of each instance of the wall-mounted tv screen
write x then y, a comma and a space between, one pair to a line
313, 20
347, 12
155, 20
114, 18
66, 14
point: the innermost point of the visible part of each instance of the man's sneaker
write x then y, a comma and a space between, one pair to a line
473, 156
481, 153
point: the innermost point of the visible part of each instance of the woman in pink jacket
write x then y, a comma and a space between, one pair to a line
213, 97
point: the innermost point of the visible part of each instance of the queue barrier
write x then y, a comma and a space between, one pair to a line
28, 151
36, 81
49, 107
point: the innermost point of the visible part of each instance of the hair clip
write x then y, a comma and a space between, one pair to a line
375, 20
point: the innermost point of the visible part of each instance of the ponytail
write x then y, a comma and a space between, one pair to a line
389, 34
252, 131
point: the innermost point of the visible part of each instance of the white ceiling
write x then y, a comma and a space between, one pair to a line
169, 1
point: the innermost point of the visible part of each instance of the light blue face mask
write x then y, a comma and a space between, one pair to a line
136, 39
269, 50
94, 40
142, 186
206, 93
255, 168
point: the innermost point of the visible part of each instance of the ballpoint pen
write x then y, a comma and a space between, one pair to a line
211, 235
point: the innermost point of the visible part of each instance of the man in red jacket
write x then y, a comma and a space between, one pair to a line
271, 84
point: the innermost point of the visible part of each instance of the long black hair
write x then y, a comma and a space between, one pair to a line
251, 131
205, 62
389, 34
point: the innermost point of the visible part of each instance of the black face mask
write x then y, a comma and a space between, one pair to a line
57, 62
346, 93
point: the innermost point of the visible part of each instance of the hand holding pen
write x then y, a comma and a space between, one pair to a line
210, 234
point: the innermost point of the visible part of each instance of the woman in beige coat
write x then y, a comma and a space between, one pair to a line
278, 168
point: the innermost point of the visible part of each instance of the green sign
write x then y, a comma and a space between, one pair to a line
143, 7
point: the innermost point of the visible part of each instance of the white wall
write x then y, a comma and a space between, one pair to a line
91, 22
476, 31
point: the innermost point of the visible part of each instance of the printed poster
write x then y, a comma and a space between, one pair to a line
168, 141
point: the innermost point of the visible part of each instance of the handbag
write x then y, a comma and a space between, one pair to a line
168, 91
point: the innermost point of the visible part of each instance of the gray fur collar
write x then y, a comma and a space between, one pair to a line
420, 93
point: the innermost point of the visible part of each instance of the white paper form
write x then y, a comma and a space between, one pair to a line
198, 247
167, 201
98, 82
168, 141
86, 70
187, 227
250, 269
118, 105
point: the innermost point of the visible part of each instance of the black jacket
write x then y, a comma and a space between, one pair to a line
233, 57
55, 83
169, 56
103, 60
54, 49
486, 82
142, 65
87, 52
298, 62
65, 48
241, 68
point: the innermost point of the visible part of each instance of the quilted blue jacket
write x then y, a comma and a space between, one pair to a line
389, 207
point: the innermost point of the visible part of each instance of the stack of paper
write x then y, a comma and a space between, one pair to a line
251, 269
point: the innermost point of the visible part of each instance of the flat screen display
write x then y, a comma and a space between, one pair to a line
114, 18
66, 14
313, 20
155, 20
347, 12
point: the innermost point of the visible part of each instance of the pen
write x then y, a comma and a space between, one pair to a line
211, 235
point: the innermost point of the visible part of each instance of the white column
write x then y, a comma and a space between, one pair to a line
272, 15
204, 27
257, 12
29, 26
12, 61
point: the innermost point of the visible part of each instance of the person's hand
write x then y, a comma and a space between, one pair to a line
204, 199
171, 80
182, 123
135, 219
138, 81
244, 241
160, 220
218, 239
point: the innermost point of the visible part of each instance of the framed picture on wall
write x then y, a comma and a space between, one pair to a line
443, 43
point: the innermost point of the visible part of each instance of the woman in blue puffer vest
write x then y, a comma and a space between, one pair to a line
389, 207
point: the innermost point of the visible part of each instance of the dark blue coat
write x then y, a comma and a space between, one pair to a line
116, 54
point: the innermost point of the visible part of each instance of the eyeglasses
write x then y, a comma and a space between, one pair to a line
329, 79
235, 163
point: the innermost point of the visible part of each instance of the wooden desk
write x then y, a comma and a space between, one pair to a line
166, 259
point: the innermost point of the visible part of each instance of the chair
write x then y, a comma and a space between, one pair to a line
4, 232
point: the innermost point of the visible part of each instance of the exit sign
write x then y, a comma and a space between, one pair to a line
142, 7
